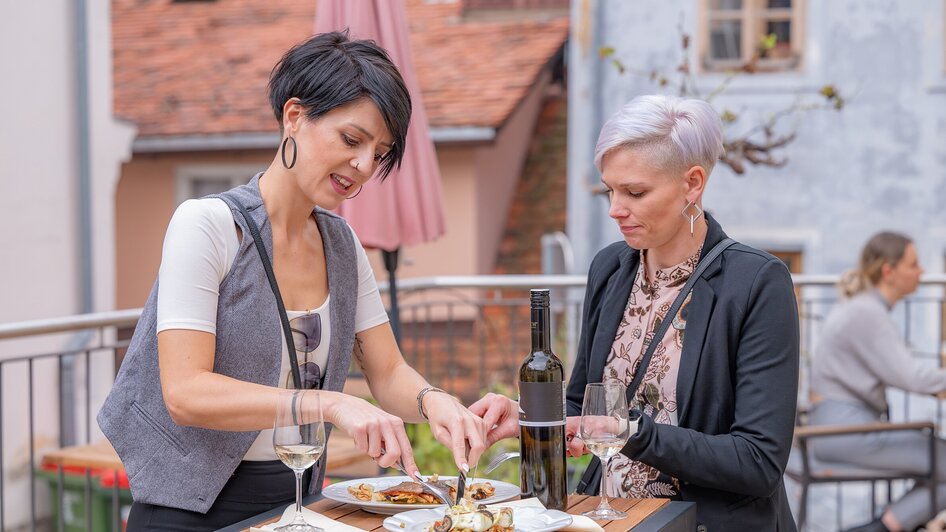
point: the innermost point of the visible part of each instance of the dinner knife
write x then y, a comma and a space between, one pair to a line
461, 485
461, 478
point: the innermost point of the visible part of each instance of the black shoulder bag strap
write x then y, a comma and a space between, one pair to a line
268, 266
668, 319
592, 475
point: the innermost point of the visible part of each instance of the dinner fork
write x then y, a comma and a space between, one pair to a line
499, 459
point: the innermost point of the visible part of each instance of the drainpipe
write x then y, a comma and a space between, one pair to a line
597, 112
67, 421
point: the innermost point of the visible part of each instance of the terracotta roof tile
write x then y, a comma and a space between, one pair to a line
202, 68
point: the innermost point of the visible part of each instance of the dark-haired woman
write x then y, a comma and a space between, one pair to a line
859, 354
209, 359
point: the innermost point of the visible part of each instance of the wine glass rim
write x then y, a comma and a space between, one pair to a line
609, 384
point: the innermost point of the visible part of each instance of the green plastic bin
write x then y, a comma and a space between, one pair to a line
73, 498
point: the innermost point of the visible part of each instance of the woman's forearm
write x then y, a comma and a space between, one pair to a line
213, 401
397, 392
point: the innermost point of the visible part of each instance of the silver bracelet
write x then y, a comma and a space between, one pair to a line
420, 399
295, 416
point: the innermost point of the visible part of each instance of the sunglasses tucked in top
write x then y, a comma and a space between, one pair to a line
307, 336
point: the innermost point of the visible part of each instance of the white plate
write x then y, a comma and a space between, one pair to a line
339, 492
526, 519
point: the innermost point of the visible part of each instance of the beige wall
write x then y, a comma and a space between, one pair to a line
455, 252
144, 203
498, 168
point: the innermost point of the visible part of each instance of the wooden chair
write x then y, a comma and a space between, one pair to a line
807, 470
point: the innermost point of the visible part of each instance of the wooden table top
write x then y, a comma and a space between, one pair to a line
637, 511
101, 455
93, 456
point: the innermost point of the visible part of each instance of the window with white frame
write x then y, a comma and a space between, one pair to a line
793, 261
195, 181
753, 35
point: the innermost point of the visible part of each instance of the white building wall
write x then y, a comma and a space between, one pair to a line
39, 198
878, 164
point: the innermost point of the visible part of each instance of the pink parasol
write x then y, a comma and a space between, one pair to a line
406, 209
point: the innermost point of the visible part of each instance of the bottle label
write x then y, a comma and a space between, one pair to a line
541, 404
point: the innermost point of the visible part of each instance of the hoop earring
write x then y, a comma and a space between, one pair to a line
283, 152
356, 193
691, 217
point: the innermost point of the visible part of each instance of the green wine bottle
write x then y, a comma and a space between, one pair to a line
542, 414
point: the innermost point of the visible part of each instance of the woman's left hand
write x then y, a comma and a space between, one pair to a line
456, 427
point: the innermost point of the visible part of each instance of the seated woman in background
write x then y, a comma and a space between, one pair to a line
859, 354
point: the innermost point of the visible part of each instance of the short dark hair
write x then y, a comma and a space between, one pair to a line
329, 70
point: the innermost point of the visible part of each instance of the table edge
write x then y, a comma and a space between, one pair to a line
655, 522
659, 520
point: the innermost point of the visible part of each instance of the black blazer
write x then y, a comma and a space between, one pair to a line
736, 388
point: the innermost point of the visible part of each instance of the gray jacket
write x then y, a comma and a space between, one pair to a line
187, 467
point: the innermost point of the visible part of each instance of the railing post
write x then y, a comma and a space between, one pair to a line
1, 448
933, 472
61, 496
32, 463
116, 508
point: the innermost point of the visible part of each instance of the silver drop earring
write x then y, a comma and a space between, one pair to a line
691, 217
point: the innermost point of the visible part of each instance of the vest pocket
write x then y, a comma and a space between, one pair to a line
146, 417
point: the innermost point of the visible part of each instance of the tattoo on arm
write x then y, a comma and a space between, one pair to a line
360, 357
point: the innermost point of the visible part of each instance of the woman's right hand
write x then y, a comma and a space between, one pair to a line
376, 433
575, 445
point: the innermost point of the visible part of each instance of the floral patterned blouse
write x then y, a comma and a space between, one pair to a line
646, 307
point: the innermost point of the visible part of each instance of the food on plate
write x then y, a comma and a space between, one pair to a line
476, 491
466, 517
362, 492
410, 492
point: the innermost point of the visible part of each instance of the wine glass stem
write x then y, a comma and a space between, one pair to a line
603, 505
298, 518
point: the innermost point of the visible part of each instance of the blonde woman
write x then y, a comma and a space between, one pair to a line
719, 390
859, 354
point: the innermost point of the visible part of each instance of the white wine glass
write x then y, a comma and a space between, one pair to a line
605, 429
299, 441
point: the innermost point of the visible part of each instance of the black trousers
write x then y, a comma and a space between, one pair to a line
254, 488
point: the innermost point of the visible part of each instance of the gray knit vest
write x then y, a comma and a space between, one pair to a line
187, 467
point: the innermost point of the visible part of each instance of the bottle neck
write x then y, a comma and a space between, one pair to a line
540, 329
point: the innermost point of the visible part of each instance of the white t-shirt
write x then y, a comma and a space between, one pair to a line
199, 248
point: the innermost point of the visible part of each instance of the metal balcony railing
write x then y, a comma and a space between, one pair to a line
465, 334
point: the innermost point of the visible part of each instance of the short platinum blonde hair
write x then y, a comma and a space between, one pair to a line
673, 133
